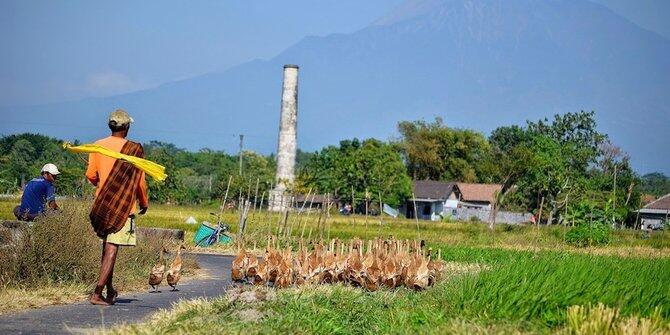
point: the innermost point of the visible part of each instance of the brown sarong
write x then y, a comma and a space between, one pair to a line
117, 197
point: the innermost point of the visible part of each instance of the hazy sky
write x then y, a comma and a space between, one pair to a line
63, 50
58, 50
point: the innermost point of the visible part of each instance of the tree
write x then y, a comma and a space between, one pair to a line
560, 156
575, 129
371, 166
22, 160
655, 183
435, 151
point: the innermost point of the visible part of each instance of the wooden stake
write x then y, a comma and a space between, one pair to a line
353, 205
366, 208
311, 203
225, 197
256, 194
540, 214
381, 213
326, 222
416, 215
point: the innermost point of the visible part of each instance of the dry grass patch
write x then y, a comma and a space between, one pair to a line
15, 299
600, 319
58, 259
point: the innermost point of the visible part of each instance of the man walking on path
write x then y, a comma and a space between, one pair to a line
119, 186
37, 193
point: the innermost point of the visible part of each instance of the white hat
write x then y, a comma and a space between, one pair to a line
121, 117
51, 168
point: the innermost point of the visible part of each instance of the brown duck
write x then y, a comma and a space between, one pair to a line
157, 272
174, 273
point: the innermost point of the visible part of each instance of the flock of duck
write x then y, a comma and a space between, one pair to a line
381, 263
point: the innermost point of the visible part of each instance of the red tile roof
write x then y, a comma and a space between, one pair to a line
479, 192
662, 203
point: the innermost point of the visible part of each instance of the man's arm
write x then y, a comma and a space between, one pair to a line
143, 194
92, 169
51, 197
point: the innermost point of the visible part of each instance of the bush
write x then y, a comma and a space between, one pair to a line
62, 248
589, 235
592, 223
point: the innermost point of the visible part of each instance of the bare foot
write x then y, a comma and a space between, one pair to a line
97, 299
111, 296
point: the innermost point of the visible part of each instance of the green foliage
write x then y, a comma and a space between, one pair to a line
22, 156
437, 152
193, 177
656, 184
562, 161
589, 235
370, 166
591, 224
576, 129
196, 177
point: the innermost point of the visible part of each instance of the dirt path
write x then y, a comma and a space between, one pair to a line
130, 308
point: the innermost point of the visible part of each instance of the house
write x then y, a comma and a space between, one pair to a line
314, 201
656, 213
478, 196
431, 198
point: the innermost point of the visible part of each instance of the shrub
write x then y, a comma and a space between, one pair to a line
591, 223
589, 235
62, 248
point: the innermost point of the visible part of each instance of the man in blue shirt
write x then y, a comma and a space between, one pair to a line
37, 193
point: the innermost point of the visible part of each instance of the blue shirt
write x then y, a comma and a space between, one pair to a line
36, 194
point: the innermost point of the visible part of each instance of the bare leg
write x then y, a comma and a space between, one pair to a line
106, 269
111, 292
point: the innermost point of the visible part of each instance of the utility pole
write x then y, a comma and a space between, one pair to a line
614, 197
240, 153
614, 186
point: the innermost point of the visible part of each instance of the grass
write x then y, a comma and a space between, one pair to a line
527, 279
518, 292
521, 237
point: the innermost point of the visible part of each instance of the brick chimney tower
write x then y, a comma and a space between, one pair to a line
287, 146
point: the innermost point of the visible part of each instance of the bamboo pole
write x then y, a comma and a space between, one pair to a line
298, 216
381, 211
225, 197
319, 223
281, 205
416, 216
353, 205
540, 214
256, 195
268, 219
326, 222
311, 203
366, 208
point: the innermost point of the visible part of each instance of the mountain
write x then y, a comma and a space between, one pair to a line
476, 63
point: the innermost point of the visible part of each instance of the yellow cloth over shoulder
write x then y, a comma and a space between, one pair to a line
156, 171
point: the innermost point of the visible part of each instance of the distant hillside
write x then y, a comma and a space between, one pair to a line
476, 63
